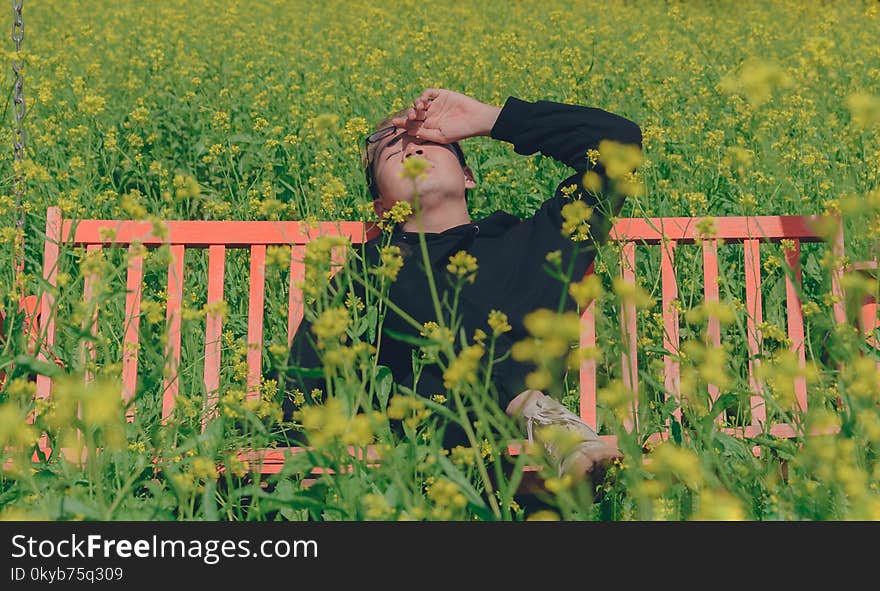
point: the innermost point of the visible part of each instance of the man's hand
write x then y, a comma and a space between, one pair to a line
591, 459
444, 116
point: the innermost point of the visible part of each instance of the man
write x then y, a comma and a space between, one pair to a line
511, 253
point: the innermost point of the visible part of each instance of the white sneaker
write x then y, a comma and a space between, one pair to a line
544, 411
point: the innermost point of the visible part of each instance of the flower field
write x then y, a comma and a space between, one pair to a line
232, 110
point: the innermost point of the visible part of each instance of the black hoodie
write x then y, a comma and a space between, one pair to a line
511, 253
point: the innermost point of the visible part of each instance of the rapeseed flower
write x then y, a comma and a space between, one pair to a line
498, 323
463, 265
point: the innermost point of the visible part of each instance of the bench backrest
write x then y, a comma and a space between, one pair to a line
256, 236
216, 236
667, 234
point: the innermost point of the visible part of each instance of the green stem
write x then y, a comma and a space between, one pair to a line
426, 261
484, 475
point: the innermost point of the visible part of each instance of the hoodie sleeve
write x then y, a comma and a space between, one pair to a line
562, 132
565, 133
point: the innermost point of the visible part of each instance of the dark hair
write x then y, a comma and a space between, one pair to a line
370, 151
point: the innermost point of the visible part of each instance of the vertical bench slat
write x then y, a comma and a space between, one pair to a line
869, 320
90, 325
255, 319
174, 300
295, 304
838, 307
710, 293
795, 317
671, 365
588, 366
132, 323
47, 303
46, 323
754, 316
629, 356
214, 328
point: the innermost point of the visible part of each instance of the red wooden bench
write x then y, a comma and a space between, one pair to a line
220, 236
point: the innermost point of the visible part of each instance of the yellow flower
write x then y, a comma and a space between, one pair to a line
576, 220
413, 167
14, 430
204, 468
706, 228
632, 293
392, 262
376, 507
462, 455
865, 109
498, 322
325, 423
399, 212
722, 311
463, 264
278, 256
331, 325
668, 459
186, 187
619, 159
463, 369
554, 258
318, 263
558, 484
756, 80
325, 122
543, 515
409, 409
587, 290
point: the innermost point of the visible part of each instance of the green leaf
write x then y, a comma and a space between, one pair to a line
408, 338
384, 379
723, 402
242, 138
372, 317
73, 507
37, 366
455, 475
209, 501
305, 372
495, 161
675, 426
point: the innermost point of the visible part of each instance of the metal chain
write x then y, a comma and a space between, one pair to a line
18, 137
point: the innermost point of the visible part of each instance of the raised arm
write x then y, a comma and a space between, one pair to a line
560, 131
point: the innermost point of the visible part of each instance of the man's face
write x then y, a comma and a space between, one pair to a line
444, 177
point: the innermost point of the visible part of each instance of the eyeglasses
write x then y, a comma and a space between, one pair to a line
378, 136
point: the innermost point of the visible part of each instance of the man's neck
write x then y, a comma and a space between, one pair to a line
437, 219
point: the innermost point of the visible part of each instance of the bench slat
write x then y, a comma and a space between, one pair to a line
255, 319
733, 229
630, 354
754, 317
88, 351
295, 303
207, 233
710, 294
132, 323
47, 303
213, 329
174, 300
587, 372
795, 320
671, 365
